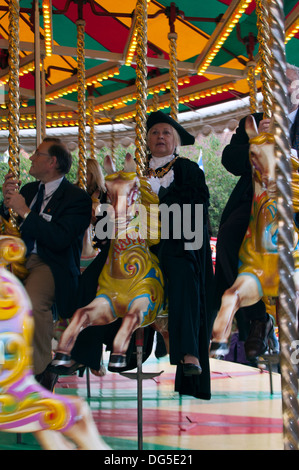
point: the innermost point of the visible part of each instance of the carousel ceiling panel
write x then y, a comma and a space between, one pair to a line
215, 40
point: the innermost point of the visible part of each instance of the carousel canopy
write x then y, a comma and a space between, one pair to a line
215, 40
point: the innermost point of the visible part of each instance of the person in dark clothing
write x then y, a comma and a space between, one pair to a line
254, 323
185, 259
52, 226
187, 267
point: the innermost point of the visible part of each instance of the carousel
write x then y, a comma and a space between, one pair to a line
85, 64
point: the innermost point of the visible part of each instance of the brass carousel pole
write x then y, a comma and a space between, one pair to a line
264, 38
252, 86
173, 73
43, 100
288, 321
251, 79
141, 84
81, 103
37, 81
155, 105
91, 122
140, 155
173, 76
113, 141
13, 96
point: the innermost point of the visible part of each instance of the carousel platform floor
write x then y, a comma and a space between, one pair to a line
242, 414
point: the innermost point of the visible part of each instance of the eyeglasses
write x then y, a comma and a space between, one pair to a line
39, 154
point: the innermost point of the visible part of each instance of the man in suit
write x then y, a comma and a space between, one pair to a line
255, 325
53, 234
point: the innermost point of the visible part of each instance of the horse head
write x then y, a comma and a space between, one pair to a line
262, 156
122, 188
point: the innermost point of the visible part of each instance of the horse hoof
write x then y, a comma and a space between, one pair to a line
117, 362
218, 350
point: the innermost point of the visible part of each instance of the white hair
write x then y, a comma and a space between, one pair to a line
177, 138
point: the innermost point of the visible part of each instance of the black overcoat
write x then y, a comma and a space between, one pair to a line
188, 188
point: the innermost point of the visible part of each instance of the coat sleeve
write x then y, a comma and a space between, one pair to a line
235, 156
189, 184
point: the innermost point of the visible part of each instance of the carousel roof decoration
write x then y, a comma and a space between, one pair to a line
211, 55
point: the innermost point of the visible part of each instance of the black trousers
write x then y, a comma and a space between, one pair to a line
229, 240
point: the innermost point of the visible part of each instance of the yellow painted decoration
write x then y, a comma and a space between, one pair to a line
258, 272
25, 406
131, 270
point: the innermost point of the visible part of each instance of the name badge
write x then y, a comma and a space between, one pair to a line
47, 217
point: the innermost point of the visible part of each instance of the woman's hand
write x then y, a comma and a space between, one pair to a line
264, 126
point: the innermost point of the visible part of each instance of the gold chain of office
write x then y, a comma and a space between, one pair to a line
160, 172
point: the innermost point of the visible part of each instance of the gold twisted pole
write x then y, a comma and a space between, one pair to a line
252, 86
81, 103
173, 75
140, 156
43, 101
90, 113
113, 142
13, 96
155, 102
265, 38
287, 314
141, 85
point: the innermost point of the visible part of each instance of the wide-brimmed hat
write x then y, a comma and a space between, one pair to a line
157, 117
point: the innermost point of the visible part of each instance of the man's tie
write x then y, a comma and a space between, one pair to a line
35, 208
39, 200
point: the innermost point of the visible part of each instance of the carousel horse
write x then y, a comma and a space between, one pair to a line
58, 422
130, 285
258, 273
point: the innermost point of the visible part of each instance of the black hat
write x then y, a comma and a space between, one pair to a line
157, 117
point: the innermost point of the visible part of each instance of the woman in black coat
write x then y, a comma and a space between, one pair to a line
185, 257
184, 251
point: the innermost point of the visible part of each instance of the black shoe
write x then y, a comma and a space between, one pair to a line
191, 369
117, 362
258, 338
68, 370
63, 364
218, 350
47, 379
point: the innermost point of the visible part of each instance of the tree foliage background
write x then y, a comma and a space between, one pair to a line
219, 181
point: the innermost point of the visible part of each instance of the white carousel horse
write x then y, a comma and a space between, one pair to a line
258, 273
59, 422
130, 285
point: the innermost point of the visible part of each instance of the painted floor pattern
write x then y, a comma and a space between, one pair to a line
242, 414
